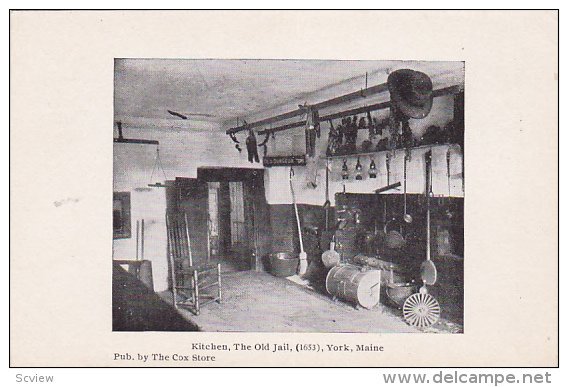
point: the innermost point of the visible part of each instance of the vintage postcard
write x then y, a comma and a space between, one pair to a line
258, 188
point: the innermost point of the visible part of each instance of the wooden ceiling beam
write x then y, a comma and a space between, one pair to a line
373, 90
360, 110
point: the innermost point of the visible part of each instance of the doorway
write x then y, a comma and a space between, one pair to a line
228, 225
243, 237
227, 215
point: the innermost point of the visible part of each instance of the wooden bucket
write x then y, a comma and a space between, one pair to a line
283, 264
354, 284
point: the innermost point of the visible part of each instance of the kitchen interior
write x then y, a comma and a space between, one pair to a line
288, 196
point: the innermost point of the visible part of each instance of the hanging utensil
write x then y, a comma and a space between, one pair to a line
327, 203
331, 258
371, 126
421, 309
387, 164
406, 217
448, 159
428, 271
393, 239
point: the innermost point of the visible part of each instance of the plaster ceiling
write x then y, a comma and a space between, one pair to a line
219, 91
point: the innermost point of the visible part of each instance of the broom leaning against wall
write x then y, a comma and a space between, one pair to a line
303, 267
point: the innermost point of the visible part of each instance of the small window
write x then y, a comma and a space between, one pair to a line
121, 215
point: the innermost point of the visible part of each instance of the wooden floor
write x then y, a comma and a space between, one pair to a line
260, 302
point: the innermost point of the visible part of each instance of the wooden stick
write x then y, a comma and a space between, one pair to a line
142, 239
388, 187
137, 237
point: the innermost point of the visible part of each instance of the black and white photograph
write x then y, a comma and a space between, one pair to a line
284, 189
288, 196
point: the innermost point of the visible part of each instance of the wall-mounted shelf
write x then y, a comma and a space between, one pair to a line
123, 140
373, 153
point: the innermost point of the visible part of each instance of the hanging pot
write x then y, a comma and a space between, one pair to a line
393, 238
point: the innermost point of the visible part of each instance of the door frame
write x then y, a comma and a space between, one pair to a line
255, 205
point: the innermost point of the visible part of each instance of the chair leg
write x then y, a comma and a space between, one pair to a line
219, 282
195, 286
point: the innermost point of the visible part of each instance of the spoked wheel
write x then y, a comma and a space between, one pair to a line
421, 310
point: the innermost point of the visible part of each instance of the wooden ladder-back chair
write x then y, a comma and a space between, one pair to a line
193, 284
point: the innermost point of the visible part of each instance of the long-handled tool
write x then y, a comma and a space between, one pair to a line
406, 217
428, 269
421, 309
387, 165
303, 268
448, 160
327, 203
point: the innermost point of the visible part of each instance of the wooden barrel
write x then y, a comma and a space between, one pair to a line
354, 284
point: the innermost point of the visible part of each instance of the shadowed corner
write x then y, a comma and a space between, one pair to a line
137, 308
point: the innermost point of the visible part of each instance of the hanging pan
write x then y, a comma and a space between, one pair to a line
394, 239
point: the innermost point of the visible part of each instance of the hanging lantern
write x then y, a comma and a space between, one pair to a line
358, 170
372, 169
344, 170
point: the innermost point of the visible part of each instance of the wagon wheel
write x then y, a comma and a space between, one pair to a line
421, 310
